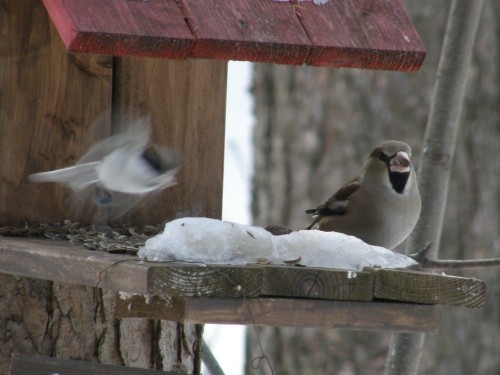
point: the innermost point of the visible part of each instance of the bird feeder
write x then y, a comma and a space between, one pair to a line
66, 63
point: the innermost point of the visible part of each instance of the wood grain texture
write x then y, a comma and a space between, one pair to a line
23, 364
69, 263
368, 34
380, 316
261, 31
138, 28
199, 281
360, 33
185, 102
421, 287
317, 283
48, 100
220, 281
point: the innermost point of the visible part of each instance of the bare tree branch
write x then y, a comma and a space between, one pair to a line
426, 262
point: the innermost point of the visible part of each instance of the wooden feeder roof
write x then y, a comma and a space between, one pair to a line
368, 34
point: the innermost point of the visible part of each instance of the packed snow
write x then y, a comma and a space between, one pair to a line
213, 241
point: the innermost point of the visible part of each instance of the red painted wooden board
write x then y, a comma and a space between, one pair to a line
148, 28
265, 31
368, 34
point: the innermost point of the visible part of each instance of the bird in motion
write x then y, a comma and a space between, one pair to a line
119, 171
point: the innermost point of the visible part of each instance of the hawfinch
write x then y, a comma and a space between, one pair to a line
381, 206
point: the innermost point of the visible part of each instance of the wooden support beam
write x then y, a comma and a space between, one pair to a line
368, 34
379, 316
23, 364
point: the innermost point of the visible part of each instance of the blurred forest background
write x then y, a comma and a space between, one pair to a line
314, 129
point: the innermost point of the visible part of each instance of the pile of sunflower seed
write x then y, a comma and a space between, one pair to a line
121, 240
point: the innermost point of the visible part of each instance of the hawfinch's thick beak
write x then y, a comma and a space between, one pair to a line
400, 162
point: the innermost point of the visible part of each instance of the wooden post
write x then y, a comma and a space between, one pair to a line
185, 101
49, 100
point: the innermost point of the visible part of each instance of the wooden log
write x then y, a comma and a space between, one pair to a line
341, 33
430, 288
23, 364
380, 316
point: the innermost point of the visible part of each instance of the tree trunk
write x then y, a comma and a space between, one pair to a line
316, 126
41, 317
439, 144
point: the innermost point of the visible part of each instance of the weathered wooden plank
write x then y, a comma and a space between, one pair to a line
48, 100
68, 263
430, 288
212, 281
65, 262
261, 31
23, 364
317, 283
259, 281
368, 34
123, 28
185, 101
379, 316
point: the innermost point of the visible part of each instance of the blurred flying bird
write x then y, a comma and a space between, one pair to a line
119, 171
